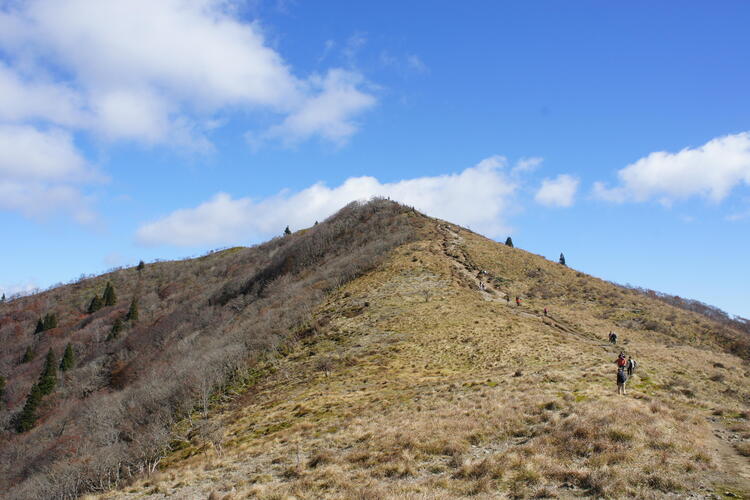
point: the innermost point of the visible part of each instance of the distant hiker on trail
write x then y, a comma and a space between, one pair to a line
518, 301
631, 366
622, 377
507, 298
545, 311
612, 338
481, 285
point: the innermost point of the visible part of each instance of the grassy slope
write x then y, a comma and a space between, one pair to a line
419, 385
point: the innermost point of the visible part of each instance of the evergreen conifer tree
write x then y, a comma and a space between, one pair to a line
133, 311
27, 418
48, 378
50, 321
562, 259
509, 242
109, 298
2, 299
28, 355
287, 231
39, 326
116, 329
141, 265
95, 305
68, 359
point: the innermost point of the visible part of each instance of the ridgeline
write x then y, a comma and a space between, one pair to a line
378, 354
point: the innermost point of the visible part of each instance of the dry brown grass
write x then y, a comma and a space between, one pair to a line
464, 395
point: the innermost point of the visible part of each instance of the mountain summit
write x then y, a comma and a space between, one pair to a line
378, 354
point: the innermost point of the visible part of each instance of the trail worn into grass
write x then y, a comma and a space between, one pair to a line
417, 384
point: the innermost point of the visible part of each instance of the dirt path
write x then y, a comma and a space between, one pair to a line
472, 275
466, 269
733, 464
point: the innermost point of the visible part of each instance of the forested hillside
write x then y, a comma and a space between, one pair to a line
148, 345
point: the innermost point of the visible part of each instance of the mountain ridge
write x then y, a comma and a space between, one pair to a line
411, 380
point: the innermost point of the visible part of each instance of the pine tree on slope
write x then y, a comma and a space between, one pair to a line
95, 305
50, 321
116, 329
48, 378
68, 359
27, 418
132, 312
109, 298
28, 355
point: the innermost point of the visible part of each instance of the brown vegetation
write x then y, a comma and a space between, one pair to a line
465, 394
203, 324
298, 374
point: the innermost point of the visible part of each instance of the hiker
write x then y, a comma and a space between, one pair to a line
518, 300
481, 285
545, 311
631, 366
612, 338
507, 298
622, 377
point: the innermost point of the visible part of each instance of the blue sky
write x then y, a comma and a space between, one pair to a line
617, 134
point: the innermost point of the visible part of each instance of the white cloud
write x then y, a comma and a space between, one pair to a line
30, 154
710, 171
39, 171
40, 200
329, 113
527, 164
23, 99
478, 196
154, 71
557, 192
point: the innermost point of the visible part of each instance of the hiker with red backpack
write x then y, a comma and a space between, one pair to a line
622, 377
